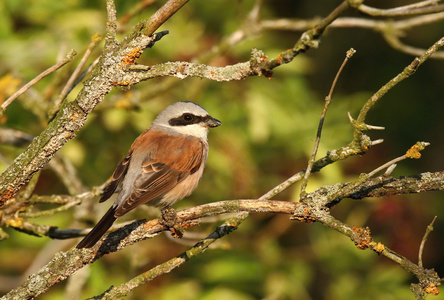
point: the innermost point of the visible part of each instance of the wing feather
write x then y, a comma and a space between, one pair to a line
160, 172
116, 179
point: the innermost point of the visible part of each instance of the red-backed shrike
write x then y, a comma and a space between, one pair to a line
163, 165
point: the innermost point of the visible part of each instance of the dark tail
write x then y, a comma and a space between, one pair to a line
99, 230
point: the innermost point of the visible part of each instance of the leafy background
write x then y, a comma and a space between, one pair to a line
268, 131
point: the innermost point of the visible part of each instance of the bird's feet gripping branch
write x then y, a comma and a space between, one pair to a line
170, 220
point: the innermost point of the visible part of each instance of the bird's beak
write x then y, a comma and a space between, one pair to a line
212, 122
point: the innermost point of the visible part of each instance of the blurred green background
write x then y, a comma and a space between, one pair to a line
269, 127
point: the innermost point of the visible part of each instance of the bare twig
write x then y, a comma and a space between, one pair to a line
259, 64
363, 240
13, 215
386, 165
424, 240
327, 102
332, 156
72, 116
69, 57
391, 30
395, 42
413, 152
407, 72
14, 137
136, 9
122, 290
308, 40
70, 83
371, 187
161, 15
67, 174
50, 212
424, 7
65, 263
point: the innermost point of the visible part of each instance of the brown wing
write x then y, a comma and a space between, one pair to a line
161, 170
118, 175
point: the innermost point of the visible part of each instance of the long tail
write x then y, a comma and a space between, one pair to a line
99, 230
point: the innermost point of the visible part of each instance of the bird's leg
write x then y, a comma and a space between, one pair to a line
169, 219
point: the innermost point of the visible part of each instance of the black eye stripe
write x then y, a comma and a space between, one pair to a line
187, 119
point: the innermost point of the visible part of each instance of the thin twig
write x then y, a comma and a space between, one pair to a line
363, 240
136, 9
69, 57
424, 240
386, 165
70, 83
331, 157
107, 74
166, 267
407, 72
328, 99
309, 39
64, 264
424, 7
162, 15
394, 41
391, 29
50, 212
68, 175
413, 152
17, 138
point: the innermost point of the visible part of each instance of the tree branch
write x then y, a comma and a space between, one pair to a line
423, 7
69, 57
72, 116
110, 72
66, 263
123, 290
327, 102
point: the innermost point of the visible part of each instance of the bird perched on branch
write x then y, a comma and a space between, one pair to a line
163, 165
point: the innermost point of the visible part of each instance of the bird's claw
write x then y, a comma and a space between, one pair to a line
169, 219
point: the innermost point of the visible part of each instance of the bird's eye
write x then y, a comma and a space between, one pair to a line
188, 117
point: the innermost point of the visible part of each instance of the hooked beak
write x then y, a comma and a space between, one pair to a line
212, 122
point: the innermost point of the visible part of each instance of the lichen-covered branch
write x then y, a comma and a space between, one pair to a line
113, 70
258, 65
65, 264
422, 7
117, 67
391, 30
185, 69
315, 208
72, 116
166, 267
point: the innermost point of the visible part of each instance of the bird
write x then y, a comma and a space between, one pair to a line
163, 165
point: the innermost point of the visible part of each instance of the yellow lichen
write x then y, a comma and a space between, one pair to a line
415, 151
364, 237
130, 57
377, 247
96, 37
432, 289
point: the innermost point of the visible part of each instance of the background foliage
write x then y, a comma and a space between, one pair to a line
268, 133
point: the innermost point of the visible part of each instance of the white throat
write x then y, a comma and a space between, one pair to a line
196, 130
